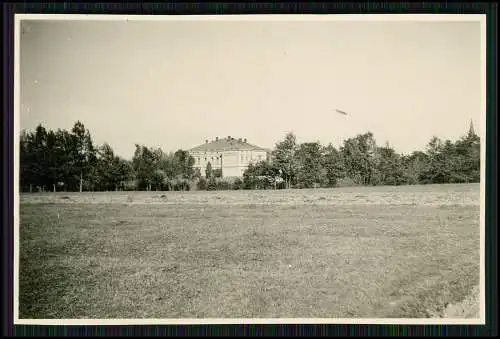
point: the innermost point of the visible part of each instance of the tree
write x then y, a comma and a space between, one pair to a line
261, 175
145, 162
39, 161
250, 177
111, 171
82, 151
178, 169
309, 166
158, 179
123, 171
388, 168
104, 167
185, 163
26, 160
436, 171
414, 165
167, 164
52, 160
332, 165
358, 154
271, 174
208, 171
284, 158
453, 162
468, 149
65, 141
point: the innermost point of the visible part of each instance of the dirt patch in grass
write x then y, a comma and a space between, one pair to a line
193, 260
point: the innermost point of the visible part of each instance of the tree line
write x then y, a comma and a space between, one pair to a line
360, 161
64, 160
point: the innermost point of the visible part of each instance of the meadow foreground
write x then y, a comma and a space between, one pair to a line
358, 252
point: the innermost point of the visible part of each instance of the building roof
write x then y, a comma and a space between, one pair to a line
227, 144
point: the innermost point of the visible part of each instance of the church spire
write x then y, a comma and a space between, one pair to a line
471, 128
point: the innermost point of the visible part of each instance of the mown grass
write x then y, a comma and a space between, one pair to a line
118, 260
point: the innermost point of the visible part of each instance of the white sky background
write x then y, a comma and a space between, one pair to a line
174, 84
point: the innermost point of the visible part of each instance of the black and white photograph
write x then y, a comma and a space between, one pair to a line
250, 168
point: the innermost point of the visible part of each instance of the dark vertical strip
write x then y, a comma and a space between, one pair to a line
491, 198
8, 152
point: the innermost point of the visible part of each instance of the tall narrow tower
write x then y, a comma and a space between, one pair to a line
471, 128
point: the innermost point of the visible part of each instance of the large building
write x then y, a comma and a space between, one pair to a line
230, 155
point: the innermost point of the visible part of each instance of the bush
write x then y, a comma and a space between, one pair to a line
237, 184
202, 184
212, 185
223, 185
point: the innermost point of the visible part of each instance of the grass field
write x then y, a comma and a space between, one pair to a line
327, 253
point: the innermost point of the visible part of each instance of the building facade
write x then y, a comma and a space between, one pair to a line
232, 156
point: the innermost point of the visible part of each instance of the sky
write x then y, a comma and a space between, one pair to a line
174, 84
